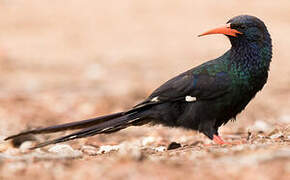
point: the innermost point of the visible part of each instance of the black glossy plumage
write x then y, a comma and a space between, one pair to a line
202, 98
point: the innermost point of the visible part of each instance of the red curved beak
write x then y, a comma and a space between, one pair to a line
222, 30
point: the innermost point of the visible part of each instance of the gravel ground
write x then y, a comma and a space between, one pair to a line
63, 61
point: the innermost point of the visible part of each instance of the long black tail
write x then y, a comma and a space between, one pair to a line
104, 124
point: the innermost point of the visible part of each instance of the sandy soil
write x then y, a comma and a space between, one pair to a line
63, 61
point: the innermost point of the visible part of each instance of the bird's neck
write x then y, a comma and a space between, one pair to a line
251, 56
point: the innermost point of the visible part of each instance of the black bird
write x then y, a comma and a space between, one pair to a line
202, 98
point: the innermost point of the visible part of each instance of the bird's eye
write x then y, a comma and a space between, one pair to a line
242, 26
238, 26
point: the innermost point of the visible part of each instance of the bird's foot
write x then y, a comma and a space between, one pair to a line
218, 140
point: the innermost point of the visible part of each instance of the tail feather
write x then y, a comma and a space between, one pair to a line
69, 126
104, 124
105, 127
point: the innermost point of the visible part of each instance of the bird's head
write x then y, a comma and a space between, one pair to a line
243, 29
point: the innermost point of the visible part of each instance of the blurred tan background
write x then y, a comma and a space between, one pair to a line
66, 60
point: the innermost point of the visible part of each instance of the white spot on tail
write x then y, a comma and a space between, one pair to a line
190, 99
106, 129
155, 99
132, 120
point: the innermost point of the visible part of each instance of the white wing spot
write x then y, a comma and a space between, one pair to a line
155, 99
72, 137
190, 99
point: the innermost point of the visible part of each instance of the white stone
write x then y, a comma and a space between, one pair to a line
107, 149
147, 140
277, 135
90, 150
25, 146
159, 149
65, 151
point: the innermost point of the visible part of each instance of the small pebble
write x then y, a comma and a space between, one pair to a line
159, 149
16, 142
64, 150
24, 147
277, 135
107, 148
173, 145
89, 150
147, 140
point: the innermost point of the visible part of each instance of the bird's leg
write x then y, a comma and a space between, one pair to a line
212, 132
